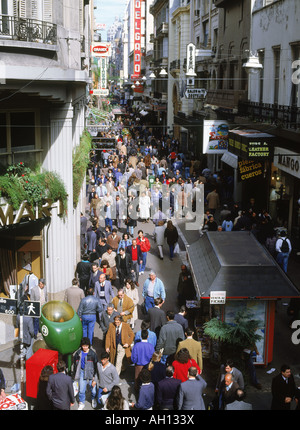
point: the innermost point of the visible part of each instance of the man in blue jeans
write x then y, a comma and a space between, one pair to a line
87, 311
85, 368
283, 248
152, 289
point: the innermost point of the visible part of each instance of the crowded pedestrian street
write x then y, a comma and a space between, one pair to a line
106, 237
149, 208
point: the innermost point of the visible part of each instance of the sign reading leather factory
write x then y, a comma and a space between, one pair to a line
10, 216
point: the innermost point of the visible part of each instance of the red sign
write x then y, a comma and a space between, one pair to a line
137, 61
101, 49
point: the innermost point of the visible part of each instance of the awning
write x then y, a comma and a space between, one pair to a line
237, 263
230, 159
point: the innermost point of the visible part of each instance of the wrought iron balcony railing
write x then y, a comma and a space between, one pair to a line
27, 30
287, 117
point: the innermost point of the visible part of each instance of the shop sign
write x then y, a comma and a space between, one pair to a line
137, 51
258, 149
10, 216
101, 50
249, 169
250, 144
215, 137
217, 297
287, 161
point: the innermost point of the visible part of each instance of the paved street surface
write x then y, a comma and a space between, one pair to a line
167, 271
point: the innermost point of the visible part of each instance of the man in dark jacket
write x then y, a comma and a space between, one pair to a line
83, 270
167, 390
124, 266
60, 388
85, 369
87, 312
284, 389
157, 316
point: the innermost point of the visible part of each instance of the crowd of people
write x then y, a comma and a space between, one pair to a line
145, 179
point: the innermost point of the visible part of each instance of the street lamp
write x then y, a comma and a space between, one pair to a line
163, 73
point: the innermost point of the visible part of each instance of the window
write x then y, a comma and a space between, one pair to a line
261, 58
276, 52
18, 137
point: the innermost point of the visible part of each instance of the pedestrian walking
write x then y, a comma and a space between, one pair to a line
85, 368
60, 388
74, 295
88, 309
171, 234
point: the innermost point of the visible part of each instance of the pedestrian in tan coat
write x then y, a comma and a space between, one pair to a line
117, 352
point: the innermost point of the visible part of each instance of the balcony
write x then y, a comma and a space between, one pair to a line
175, 67
227, 99
285, 117
27, 30
162, 30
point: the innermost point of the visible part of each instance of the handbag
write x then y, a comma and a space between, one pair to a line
176, 248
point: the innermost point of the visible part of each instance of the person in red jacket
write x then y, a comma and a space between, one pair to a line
182, 363
144, 243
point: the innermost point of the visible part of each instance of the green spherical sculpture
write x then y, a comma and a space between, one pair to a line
61, 327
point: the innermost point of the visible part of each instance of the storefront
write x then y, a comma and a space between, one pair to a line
254, 150
237, 268
285, 192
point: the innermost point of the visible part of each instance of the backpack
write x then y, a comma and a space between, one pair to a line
284, 246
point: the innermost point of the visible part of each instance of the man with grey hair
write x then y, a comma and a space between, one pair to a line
152, 289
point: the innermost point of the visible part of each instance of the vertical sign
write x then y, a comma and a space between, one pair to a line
190, 60
103, 73
137, 62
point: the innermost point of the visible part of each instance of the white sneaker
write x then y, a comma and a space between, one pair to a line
81, 406
94, 403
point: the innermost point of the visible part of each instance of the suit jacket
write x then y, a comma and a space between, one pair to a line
60, 390
129, 251
128, 264
127, 336
236, 374
157, 319
194, 348
281, 390
190, 394
229, 396
108, 291
73, 296
127, 306
167, 390
35, 294
169, 335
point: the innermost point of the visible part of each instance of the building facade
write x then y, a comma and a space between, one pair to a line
45, 57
